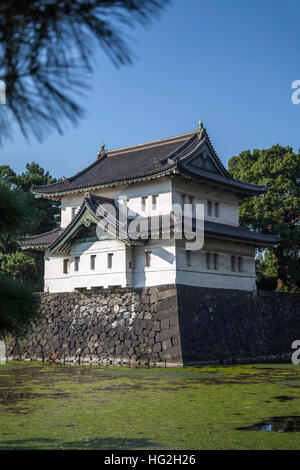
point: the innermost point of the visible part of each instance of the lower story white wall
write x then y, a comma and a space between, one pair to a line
102, 275
197, 273
128, 268
216, 280
54, 278
168, 265
162, 270
85, 277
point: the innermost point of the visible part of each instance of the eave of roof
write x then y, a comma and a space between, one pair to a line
41, 241
240, 233
110, 183
216, 180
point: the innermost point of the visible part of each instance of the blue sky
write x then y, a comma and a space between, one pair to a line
229, 62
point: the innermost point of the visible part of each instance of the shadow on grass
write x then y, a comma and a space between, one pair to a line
109, 443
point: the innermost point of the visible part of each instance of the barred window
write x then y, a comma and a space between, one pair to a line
154, 202
209, 207
93, 262
144, 203
110, 260
147, 259
216, 262
188, 257
66, 266
182, 201
208, 260
77, 263
217, 209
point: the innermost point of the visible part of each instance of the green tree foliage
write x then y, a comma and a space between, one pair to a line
37, 215
277, 211
48, 211
266, 273
47, 50
18, 302
18, 307
10, 209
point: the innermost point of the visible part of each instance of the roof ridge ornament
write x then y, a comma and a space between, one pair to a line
102, 151
200, 125
66, 180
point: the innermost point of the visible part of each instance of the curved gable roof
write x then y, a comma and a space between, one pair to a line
150, 160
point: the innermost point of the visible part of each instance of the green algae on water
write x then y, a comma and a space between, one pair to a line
44, 406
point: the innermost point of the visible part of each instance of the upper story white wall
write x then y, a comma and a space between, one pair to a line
202, 193
134, 193
167, 191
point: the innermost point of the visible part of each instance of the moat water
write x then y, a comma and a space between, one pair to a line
52, 406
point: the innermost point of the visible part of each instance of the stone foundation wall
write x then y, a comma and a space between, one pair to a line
227, 326
116, 326
162, 326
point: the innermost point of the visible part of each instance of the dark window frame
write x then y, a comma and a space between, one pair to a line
188, 257
147, 259
216, 261
110, 260
93, 262
154, 202
76, 263
66, 265
144, 200
217, 209
208, 260
209, 208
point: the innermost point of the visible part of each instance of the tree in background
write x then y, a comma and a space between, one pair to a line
47, 50
276, 212
49, 211
18, 301
38, 216
266, 273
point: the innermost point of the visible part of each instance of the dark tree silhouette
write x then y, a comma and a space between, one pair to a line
18, 301
46, 55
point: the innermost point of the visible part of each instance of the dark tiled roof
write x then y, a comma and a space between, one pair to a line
240, 233
41, 241
147, 160
219, 180
121, 165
